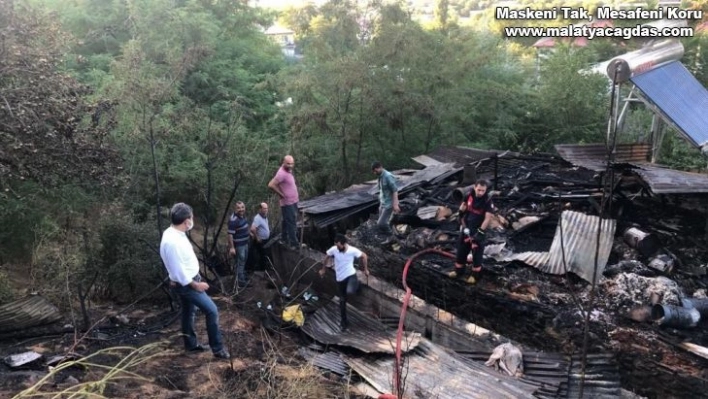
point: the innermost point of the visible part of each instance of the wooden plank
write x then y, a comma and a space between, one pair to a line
695, 349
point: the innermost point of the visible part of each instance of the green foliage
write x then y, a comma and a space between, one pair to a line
22, 223
677, 153
568, 106
33, 214
126, 263
407, 89
43, 136
194, 102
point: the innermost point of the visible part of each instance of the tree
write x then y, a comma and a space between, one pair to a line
48, 133
442, 14
191, 61
569, 106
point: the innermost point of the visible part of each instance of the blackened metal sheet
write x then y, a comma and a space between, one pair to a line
559, 376
681, 98
321, 220
548, 371
669, 181
433, 372
661, 180
365, 333
461, 156
593, 156
602, 378
338, 200
367, 195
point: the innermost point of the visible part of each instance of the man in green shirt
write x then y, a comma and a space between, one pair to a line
388, 197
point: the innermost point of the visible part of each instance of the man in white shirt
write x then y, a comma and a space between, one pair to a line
260, 232
183, 268
342, 256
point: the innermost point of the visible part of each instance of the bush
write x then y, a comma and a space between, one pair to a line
23, 215
127, 264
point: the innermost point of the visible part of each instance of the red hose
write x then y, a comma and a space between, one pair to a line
404, 307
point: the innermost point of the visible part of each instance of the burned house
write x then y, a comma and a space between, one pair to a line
598, 269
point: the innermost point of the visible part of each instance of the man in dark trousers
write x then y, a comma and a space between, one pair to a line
239, 236
283, 184
475, 215
388, 198
183, 268
342, 256
260, 232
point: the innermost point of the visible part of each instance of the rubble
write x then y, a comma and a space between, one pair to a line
654, 254
628, 289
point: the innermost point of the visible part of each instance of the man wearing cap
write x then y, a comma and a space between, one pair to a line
183, 268
388, 197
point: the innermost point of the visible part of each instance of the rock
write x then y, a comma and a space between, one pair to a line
70, 380
23, 359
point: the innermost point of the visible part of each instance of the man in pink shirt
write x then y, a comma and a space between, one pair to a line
283, 183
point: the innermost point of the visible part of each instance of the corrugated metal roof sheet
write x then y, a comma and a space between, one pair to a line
661, 180
433, 372
368, 194
329, 208
602, 378
328, 360
459, 155
27, 312
553, 375
593, 156
681, 98
670, 181
574, 246
547, 371
559, 376
338, 200
364, 333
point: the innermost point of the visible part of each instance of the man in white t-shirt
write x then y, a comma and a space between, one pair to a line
260, 232
342, 256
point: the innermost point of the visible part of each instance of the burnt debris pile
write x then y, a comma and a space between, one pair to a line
648, 254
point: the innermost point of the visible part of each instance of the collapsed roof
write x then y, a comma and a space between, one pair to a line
548, 207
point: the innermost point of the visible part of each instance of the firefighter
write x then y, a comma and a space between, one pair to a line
475, 215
